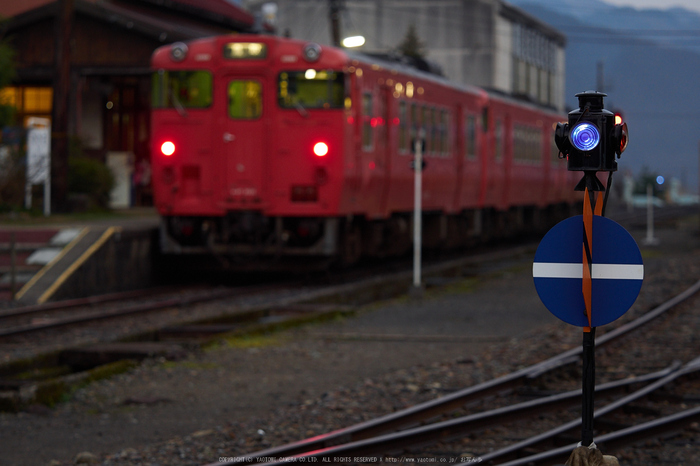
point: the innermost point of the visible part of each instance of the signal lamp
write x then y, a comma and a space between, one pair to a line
320, 149
167, 148
592, 136
585, 136
620, 137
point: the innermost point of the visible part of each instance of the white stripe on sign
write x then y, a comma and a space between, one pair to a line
599, 271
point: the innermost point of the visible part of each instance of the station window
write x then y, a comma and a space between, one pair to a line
28, 101
244, 99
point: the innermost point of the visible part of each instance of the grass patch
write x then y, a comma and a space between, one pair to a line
252, 341
464, 286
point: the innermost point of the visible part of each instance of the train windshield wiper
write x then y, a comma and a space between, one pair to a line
177, 104
302, 111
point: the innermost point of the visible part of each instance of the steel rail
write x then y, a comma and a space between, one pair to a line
454, 428
415, 414
90, 300
514, 449
132, 309
619, 438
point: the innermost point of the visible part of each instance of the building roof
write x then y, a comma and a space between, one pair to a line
10, 9
167, 20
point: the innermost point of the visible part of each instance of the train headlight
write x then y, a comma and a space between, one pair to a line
167, 148
178, 52
321, 149
585, 136
311, 52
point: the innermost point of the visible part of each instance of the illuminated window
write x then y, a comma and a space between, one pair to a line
38, 99
11, 96
181, 89
28, 101
311, 89
241, 50
244, 99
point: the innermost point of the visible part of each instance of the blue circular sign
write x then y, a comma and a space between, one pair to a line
616, 269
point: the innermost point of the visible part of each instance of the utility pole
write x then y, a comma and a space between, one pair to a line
600, 77
334, 9
59, 117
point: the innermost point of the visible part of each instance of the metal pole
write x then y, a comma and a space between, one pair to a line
588, 387
13, 265
650, 240
417, 212
61, 109
588, 351
334, 12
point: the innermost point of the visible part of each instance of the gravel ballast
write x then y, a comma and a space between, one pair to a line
270, 390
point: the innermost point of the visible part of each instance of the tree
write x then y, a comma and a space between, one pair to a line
411, 45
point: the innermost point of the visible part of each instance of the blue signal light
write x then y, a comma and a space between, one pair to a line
585, 136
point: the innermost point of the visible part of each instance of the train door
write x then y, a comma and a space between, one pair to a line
244, 141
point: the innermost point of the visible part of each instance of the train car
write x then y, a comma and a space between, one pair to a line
268, 147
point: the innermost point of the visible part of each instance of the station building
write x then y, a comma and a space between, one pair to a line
108, 89
487, 43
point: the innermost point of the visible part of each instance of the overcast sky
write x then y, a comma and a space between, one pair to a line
659, 4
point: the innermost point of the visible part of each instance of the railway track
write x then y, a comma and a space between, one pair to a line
77, 335
397, 434
79, 311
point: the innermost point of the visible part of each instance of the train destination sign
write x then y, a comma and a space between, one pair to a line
617, 271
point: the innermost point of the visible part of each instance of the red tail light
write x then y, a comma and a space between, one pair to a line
167, 148
320, 149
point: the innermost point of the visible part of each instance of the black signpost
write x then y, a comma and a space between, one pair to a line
575, 283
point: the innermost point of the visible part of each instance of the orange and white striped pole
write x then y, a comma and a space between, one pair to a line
588, 355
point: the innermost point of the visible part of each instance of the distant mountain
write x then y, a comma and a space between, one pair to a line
654, 83
676, 27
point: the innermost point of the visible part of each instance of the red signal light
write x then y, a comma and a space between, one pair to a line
167, 148
321, 149
618, 119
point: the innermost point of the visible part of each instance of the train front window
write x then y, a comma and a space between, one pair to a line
311, 89
244, 99
181, 89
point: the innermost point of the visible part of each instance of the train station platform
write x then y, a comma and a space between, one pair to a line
65, 257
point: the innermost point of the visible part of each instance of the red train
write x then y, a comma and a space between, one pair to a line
270, 147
